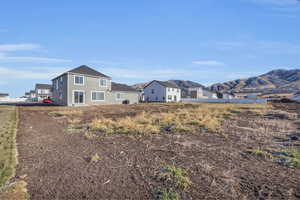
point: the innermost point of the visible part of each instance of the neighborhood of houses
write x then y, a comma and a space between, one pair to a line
86, 86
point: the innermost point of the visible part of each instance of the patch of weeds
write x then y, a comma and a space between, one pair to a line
95, 158
74, 126
177, 177
73, 131
288, 158
90, 135
164, 194
18, 191
65, 113
55, 114
259, 153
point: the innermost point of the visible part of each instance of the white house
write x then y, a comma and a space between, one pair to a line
4, 97
162, 91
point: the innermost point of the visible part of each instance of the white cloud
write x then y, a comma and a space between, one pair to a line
6, 58
276, 2
269, 47
208, 63
18, 47
42, 73
2, 30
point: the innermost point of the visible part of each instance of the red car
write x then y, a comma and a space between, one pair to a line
48, 100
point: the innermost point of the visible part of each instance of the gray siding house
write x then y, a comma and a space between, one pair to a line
86, 86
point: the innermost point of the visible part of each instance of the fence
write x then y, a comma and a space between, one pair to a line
243, 101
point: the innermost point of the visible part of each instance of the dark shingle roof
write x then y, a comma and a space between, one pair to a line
4, 95
164, 83
43, 86
85, 70
122, 87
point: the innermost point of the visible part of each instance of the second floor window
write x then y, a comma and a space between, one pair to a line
152, 91
79, 80
103, 82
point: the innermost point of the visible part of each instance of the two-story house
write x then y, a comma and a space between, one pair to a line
4, 96
42, 91
86, 86
162, 91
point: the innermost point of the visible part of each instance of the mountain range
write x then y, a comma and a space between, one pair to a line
273, 81
276, 80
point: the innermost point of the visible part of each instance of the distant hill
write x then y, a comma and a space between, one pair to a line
139, 86
272, 81
186, 84
180, 83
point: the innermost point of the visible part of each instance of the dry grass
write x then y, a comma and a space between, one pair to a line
16, 192
8, 153
196, 117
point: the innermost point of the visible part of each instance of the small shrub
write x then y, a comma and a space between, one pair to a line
95, 158
289, 158
164, 194
176, 176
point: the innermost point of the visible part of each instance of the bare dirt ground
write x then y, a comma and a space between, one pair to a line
219, 165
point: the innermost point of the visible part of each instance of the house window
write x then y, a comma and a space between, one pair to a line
169, 97
120, 96
152, 91
79, 80
61, 79
103, 82
98, 96
177, 90
173, 89
78, 97
169, 89
57, 84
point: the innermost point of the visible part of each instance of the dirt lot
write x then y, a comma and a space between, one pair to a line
241, 161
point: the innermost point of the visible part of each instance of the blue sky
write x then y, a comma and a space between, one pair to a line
133, 41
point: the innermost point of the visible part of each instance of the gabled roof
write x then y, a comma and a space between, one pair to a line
43, 86
85, 70
164, 83
122, 87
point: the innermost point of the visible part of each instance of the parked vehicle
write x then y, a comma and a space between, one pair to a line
48, 100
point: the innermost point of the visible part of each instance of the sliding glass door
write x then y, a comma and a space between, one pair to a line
78, 97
